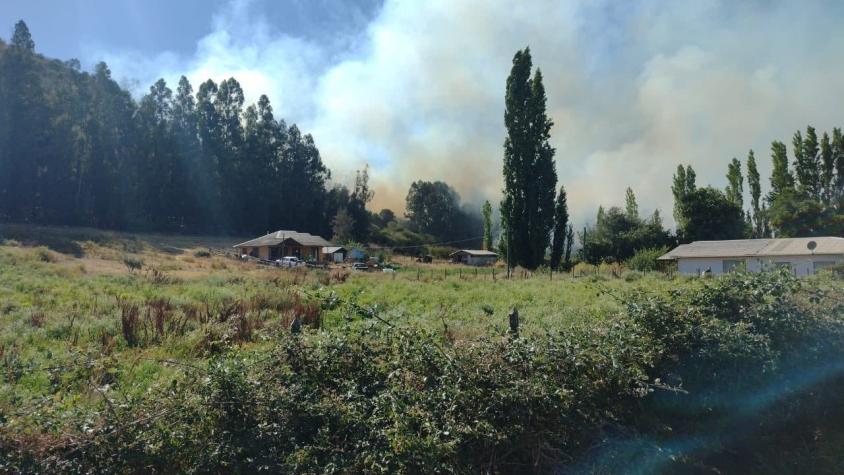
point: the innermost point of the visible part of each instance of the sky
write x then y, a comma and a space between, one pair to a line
416, 89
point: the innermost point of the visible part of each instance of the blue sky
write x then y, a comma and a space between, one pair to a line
415, 88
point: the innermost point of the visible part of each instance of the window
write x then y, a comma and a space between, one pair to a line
732, 265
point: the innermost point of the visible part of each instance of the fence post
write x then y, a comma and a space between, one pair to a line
493, 274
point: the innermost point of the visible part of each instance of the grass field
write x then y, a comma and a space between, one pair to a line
94, 321
64, 294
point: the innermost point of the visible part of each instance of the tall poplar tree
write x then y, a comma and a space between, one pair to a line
486, 211
631, 207
838, 157
735, 183
827, 169
530, 178
807, 163
755, 186
561, 221
683, 185
569, 246
782, 180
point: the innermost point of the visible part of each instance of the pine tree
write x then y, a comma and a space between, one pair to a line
21, 38
755, 186
529, 172
561, 218
630, 206
486, 211
735, 186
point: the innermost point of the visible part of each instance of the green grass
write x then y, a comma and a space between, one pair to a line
65, 354
60, 309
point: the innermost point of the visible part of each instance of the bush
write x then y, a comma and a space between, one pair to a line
681, 381
133, 263
202, 253
645, 260
583, 268
44, 255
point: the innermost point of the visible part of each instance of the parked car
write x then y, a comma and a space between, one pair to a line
290, 261
360, 266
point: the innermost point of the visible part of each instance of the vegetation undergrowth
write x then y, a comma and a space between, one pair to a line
676, 380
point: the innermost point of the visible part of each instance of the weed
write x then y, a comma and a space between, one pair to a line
133, 263
37, 318
129, 321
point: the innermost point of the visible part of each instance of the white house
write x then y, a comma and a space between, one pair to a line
804, 256
474, 257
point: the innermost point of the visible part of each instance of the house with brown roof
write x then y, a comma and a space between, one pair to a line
803, 256
283, 243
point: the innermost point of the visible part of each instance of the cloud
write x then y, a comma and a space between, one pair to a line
634, 88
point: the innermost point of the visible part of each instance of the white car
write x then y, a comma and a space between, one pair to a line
290, 261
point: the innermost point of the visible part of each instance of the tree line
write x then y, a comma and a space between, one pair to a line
806, 196
77, 149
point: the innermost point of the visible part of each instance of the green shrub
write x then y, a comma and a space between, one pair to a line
202, 253
584, 268
133, 263
44, 255
645, 260
679, 381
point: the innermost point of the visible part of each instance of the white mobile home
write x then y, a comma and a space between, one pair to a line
474, 257
804, 256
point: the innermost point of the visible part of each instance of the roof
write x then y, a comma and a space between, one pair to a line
475, 253
332, 249
276, 238
757, 248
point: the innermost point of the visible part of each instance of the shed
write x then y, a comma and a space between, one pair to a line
474, 257
803, 256
334, 253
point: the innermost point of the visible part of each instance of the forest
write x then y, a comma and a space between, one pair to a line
78, 149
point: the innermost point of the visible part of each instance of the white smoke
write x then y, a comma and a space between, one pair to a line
634, 88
